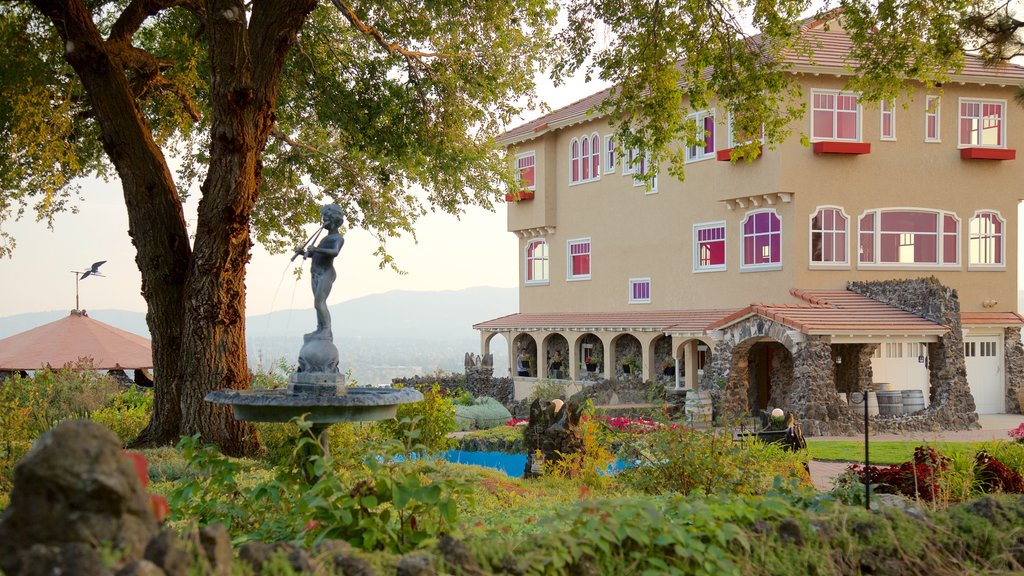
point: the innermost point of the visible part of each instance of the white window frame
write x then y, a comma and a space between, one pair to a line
1001, 240
940, 248
698, 119
595, 152
837, 94
697, 267
744, 267
936, 111
887, 107
982, 101
732, 134
575, 143
568, 260
652, 187
610, 153
627, 160
519, 169
527, 261
635, 281
845, 265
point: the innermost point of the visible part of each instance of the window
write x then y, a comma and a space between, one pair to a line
705, 122
641, 168
609, 154
931, 119
828, 236
628, 161
762, 240
981, 123
709, 247
639, 290
585, 159
888, 113
537, 262
579, 259
526, 165
985, 240
737, 137
595, 156
835, 116
574, 161
909, 237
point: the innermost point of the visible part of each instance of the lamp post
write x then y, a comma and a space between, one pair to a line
867, 460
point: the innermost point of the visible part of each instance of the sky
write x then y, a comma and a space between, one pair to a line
474, 250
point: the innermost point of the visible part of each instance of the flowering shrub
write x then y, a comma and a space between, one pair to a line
1017, 433
918, 478
633, 425
518, 422
995, 476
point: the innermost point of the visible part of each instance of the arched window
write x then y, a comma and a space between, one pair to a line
537, 262
985, 240
574, 161
595, 156
585, 147
909, 237
829, 240
762, 240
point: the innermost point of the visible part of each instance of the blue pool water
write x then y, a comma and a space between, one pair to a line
511, 464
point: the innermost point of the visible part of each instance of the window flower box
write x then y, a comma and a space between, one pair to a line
726, 155
978, 153
518, 196
833, 147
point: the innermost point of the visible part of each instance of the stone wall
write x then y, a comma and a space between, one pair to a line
813, 396
854, 373
952, 406
477, 383
1014, 359
627, 347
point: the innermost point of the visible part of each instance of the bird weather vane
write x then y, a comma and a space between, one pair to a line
93, 270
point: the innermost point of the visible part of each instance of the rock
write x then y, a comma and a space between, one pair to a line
216, 545
552, 433
75, 487
416, 565
789, 531
141, 568
352, 566
256, 554
172, 555
880, 501
74, 558
458, 557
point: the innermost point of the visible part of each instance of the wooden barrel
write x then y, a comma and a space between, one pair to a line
913, 401
698, 408
872, 404
890, 403
882, 386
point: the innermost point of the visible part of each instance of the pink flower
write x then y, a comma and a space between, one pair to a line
1017, 433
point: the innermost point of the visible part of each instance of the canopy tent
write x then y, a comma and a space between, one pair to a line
67, 340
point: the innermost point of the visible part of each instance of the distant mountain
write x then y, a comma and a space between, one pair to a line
398, 333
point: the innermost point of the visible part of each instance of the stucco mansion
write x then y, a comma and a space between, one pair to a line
885, 252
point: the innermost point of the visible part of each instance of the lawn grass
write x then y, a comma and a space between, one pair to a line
883, 452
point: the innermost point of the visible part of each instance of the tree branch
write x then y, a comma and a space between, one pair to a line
131, 19
378, 37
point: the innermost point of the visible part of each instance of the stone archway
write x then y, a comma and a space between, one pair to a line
590, 346
527, 366
557, 356
627, 357
664, 361
767, 367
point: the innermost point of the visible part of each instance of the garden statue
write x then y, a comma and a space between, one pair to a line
318, 358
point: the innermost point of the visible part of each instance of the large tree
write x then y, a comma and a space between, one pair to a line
269, 106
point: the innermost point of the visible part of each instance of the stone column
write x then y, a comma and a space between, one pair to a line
574, 358
1013, 357
542, 354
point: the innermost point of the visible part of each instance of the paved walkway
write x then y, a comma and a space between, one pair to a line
993, 427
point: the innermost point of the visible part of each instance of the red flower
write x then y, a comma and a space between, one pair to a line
161, 509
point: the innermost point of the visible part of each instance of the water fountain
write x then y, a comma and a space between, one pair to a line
317, 389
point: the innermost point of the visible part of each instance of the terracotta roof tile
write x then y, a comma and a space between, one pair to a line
690, 321
830, 312
76, 336
991, 319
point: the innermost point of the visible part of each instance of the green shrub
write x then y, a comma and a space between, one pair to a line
548, 390
685, 460
126, 413
426, 423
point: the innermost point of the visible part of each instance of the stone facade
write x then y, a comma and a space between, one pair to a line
952, 406
853, 373
627, 347
1014, 359
479, 381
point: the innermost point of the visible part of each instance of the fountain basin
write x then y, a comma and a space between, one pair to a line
280, 405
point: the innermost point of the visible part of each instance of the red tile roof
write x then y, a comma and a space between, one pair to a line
830, 51
838, 312
76, 336
688, 321
991, 319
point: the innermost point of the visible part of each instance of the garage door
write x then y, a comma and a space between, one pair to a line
984, 355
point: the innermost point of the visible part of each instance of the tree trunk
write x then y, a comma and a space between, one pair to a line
155, 220
196, 298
